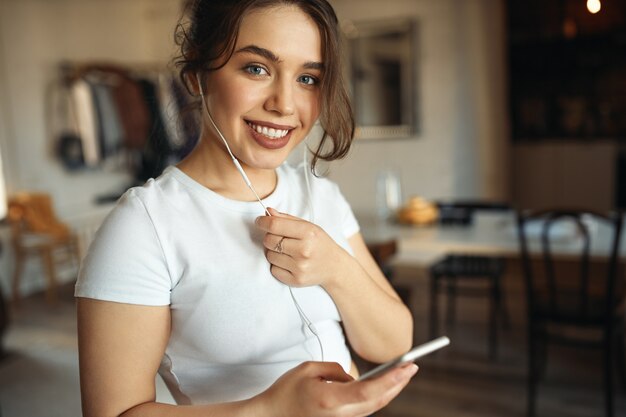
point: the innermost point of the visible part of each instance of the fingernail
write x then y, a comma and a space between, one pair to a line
407, 372
256, 221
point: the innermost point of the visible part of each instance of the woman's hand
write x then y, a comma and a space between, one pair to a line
301, 253
377, 324
324, 389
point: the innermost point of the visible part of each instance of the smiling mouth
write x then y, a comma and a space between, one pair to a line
269, 132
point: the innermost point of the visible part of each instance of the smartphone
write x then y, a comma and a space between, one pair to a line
411, 356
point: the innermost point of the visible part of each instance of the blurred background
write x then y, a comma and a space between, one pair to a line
519, 102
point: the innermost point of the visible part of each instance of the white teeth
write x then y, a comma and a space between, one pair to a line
269, 132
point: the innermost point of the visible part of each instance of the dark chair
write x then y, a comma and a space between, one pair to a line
454, 268
572, 293
461, 212
457, 269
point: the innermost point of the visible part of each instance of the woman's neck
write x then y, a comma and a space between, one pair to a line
211, 166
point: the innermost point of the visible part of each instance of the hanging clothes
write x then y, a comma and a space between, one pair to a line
111, 134
87, 120
141, 120
62, 125
157, 151
133, 112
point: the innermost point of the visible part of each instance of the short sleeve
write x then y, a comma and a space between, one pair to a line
125, 262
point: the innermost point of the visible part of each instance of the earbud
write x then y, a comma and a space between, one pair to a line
199, 84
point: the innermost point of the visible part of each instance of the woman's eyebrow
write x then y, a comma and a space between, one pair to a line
266, 53
257, 50
314, 65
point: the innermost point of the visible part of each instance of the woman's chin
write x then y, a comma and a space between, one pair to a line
268, 163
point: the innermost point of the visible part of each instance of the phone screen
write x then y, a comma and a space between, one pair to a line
411, 356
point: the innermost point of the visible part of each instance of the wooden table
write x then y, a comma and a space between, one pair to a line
491, 233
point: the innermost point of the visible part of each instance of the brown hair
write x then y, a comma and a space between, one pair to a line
211, 33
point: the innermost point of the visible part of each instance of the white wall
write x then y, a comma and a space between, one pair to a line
462, 148
35, 36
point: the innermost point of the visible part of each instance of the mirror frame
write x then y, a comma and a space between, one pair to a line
409, 94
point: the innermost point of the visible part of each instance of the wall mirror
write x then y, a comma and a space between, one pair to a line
381, 70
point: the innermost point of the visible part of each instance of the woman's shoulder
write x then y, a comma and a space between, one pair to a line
154, 193
145, 210
143, 206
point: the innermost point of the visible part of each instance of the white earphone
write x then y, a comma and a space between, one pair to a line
235, 161
305, 320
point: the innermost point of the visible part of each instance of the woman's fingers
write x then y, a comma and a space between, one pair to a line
284, 225
325, 389
301, 248
277, 213
366, 397
327, 371
284, 276
280, 244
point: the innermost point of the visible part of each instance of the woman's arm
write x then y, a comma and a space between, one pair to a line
120, 350
378, 325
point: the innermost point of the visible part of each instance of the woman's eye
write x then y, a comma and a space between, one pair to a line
255, 70
308, 80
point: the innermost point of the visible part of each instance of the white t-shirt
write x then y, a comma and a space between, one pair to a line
235, 328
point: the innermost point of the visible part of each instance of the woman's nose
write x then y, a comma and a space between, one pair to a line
281, 98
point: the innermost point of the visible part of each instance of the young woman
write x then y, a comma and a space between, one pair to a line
242, 310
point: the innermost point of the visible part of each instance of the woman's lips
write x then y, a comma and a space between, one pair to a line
266, 141
268, 124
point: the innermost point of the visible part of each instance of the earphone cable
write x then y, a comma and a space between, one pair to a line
307, 321
308, 183
237, 164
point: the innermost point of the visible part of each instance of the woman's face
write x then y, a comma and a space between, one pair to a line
266, 98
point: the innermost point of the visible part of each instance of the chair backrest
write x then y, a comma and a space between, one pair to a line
461, 212
573, 291
34, 213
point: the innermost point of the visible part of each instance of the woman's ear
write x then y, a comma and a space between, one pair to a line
193, 82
